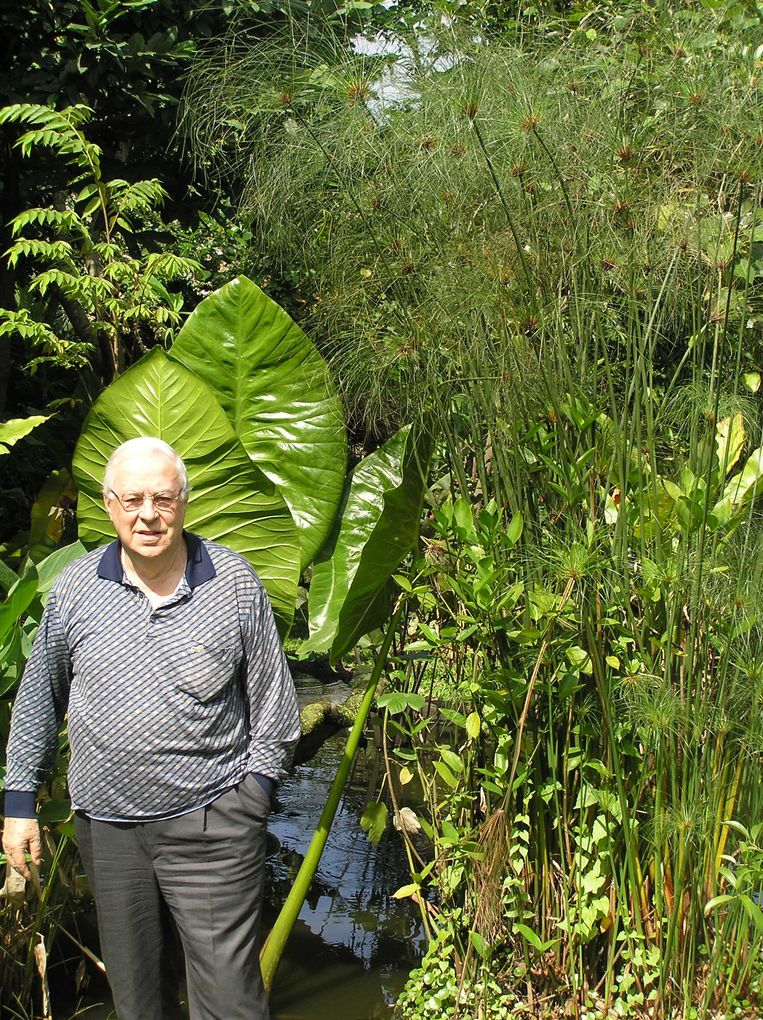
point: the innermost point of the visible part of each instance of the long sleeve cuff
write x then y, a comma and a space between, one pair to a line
20, 804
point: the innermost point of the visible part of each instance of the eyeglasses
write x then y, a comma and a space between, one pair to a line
163, 502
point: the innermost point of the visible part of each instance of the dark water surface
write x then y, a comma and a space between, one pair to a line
353, 944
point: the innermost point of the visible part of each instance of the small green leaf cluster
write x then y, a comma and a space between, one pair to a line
88, 290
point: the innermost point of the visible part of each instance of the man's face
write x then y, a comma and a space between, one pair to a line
146, 532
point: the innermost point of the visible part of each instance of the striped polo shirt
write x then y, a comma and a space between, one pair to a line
167, 706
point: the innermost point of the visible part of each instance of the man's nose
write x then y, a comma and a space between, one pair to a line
147, 509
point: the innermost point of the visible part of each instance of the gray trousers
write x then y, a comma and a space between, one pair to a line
207, 866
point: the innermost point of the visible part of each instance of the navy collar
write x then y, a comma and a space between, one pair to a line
198, 569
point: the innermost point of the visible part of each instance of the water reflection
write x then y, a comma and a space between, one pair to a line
354, 943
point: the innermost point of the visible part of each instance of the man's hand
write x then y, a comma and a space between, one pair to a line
22, 836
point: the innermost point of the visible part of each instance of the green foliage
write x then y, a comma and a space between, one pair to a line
231, 500
15, 429
580, 742
377, 527
241, 348
87, 295
453, 222
26, 925
550, 245
276, 391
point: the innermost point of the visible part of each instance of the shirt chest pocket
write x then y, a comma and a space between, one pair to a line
204, 670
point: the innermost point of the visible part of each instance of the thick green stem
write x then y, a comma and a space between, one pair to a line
279, 934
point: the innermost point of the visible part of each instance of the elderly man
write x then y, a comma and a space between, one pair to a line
181, 717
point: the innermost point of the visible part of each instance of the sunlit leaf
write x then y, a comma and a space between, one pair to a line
17, 428
18, 601
49, 568
276, 390
742, 488
398, 701
374, 820
231, 501
405, 891
729, 440
473, 725
377, 526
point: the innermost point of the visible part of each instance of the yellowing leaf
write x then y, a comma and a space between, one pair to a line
406, 890
473, 725
729, 441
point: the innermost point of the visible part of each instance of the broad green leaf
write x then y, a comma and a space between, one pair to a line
514, 530
276, 390
16, 428
374, 820
452, 760
397, 701
231, 501
672, 489
8, 577
741, 488
377, 526
19, 599
529, 936
473, 725
480, 944
729, 440
442, 769
412, 889
49, 568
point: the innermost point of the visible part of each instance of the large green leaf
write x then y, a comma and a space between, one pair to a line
49, 568
19, 599
743, 487
276, 390
378, 525
15, 429
231, 501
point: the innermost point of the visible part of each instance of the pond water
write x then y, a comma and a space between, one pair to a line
353, 944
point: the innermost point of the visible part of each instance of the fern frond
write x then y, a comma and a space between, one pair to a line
51, 251
36, 113
169, 266
65, 219
126, 273
21, 322
69, 283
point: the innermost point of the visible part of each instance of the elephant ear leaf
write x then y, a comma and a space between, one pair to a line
231, 500
378, 525
276, 390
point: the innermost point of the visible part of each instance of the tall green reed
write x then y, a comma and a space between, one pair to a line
553, 249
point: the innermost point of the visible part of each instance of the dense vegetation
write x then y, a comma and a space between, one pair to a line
537, 234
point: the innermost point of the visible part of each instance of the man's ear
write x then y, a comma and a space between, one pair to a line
107, 504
